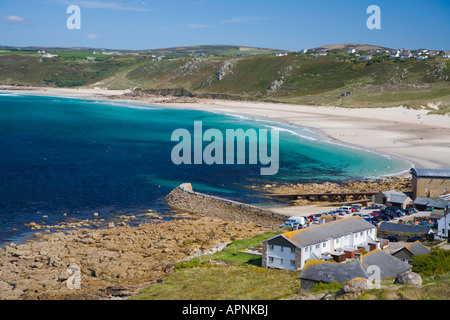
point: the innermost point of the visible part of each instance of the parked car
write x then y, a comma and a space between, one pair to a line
356, 208
416, 238
294, 220
374, 214
346, 209
341, 212
392, 238
366, 216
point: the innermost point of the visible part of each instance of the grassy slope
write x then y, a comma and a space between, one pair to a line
306, 80
240, 277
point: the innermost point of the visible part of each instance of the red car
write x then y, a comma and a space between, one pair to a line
374, 214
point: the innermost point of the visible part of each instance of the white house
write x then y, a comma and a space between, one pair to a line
405, 54
444, 224
351, 51
303, 51
446, 54
394, 54
336, 240
282, 54
49, 55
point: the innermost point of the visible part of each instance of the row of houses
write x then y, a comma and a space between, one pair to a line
420, 54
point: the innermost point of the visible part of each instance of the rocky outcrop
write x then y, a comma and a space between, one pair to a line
226, 68
410, 278
184, 198
128, 257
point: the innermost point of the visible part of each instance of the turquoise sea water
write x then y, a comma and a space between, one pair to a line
75, 157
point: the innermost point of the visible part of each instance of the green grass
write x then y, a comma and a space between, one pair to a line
434, 288
306, 80
231, 282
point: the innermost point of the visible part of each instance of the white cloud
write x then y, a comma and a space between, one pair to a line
103, 5
199, 26
92, 36
13, 19
248, 19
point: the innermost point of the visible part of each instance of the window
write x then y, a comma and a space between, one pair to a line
337, 240
292, 250
281, 261
306, 249
292, 262
356, 235
271, 259
361, 234
271, 247
317, 246
281, 249
324, 244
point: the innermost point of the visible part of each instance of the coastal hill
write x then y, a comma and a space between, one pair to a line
367, 78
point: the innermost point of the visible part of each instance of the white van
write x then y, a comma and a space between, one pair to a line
346, 209
301, 221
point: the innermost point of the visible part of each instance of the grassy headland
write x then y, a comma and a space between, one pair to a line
242, 74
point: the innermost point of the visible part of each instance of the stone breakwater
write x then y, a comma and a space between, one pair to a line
185, 198
115, 262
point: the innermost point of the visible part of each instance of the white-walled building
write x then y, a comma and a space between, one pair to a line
444, 224
336, 240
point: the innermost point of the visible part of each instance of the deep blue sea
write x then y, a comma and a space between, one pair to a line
76, 157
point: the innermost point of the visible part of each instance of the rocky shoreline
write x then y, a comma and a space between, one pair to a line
115, 262
402, 183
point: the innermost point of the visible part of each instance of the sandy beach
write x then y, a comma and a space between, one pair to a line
410, 134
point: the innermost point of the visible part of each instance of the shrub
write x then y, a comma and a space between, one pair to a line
437, 262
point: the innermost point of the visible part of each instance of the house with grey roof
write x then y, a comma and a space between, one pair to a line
406, 228
407, 253
422, 203
387, 265
336, 240
327, 272
393, 198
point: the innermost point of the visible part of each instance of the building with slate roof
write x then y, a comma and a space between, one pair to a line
327, 272
422, 203
393, 198
384, 263
406, 228
407, 253
336, 240
430, 183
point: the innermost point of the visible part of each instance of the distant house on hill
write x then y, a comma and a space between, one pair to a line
303, 51
365, 58
394, 54
282, 54
49, 55
446, 55
91, 58
407, 253
351, 51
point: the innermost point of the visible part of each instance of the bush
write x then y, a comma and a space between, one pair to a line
437, 262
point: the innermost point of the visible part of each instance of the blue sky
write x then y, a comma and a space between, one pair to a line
281, 24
